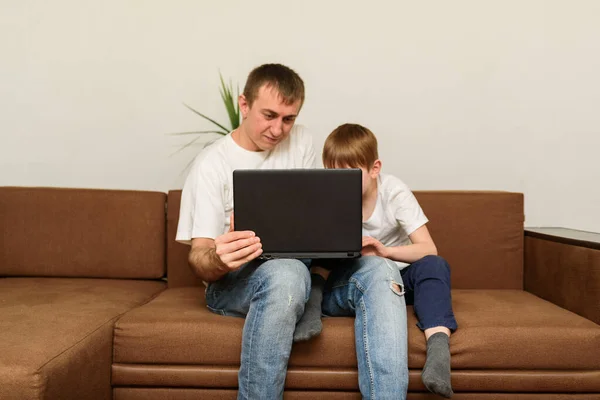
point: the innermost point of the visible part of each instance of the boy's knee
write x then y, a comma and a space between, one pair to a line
435, 266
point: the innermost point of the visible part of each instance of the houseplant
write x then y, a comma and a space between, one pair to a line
233, 112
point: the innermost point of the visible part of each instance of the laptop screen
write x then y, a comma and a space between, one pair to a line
301, 212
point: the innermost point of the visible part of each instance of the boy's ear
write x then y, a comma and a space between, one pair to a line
376, 168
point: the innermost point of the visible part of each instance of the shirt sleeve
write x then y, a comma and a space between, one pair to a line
407, 211
202, 212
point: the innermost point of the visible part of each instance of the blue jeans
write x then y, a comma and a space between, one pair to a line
427, 283
271, 296
364, 288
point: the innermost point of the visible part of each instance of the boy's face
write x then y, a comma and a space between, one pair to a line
268, 121
369, 176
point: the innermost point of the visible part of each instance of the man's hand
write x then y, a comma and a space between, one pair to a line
373, 247
234, 249
212, 259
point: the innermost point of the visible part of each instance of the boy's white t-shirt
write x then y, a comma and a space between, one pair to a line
397, 214
207, 197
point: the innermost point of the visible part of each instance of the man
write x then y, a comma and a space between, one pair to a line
271, 295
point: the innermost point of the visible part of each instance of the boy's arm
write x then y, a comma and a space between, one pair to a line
422, 245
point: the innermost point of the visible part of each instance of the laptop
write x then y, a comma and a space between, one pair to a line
301, 213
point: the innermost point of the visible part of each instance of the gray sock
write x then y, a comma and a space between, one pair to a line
436, 373
310, 324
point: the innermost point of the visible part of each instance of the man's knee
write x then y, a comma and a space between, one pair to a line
286, 278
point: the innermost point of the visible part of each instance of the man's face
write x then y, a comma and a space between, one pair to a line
268, 121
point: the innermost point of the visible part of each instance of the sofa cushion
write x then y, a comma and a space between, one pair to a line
56, 334
498, 329
82, 233
479, 233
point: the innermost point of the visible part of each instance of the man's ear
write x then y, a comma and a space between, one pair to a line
244, 106
376, 169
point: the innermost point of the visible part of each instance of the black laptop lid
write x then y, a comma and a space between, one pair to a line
301, 212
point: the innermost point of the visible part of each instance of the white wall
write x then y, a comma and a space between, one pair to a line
500, 95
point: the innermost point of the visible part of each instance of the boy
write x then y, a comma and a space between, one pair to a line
394, 228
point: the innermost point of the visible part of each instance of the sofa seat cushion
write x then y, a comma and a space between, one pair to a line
56, 334
498, 329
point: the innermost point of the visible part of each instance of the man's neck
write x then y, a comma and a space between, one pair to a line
241, 138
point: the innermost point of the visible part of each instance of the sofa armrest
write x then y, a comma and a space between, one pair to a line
563, 266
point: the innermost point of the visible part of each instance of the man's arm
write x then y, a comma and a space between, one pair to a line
204, 260
212, 259
422, 245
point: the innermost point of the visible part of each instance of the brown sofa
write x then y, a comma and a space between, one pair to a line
97, 301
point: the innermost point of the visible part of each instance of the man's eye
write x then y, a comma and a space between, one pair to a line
289, 120
269, 116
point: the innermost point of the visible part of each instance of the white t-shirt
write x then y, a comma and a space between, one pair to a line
397, 214
207, 197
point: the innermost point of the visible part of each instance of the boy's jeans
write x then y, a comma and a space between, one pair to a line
364, 288
427, 283
271, 296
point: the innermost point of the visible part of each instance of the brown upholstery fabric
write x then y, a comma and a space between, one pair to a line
193, 394
56, 334
219, 377
179, 272
83, 233
564, 274
479, 233
498, 329
513, 329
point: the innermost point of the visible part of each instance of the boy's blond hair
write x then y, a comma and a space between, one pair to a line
350, 146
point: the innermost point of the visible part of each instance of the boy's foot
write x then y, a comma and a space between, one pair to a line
436, 373
310, 324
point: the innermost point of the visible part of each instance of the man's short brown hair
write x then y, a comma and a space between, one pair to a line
286, 81
350, 146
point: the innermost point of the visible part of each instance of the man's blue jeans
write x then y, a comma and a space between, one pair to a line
369, 288
271, 296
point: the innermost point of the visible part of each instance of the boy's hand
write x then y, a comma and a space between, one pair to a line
373, 247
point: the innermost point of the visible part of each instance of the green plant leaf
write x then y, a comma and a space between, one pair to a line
205, 117
230, 102
191, 142
233, 113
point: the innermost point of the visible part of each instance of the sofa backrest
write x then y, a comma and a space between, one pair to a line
479, 233
87, 233
178, 271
